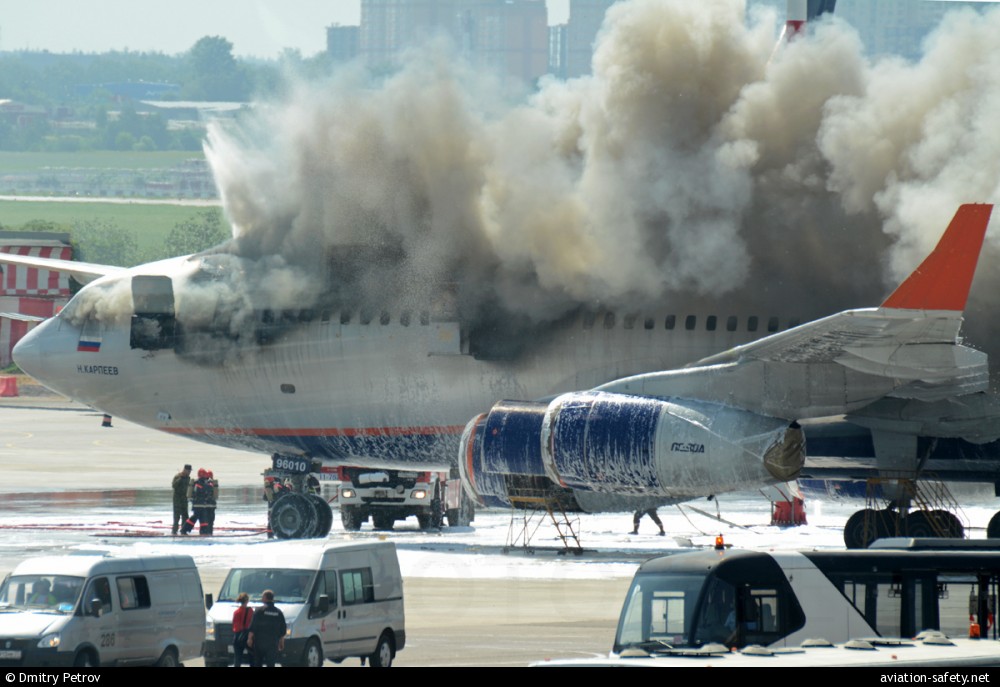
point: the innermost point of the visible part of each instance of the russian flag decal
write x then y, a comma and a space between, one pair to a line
90, 344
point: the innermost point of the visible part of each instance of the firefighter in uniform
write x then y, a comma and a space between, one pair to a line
201, 495
213, 500
267, 631
180, 485
651, 512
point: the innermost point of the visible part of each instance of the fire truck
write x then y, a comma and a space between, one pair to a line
390, 495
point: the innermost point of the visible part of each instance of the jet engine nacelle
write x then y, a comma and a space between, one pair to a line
627, 445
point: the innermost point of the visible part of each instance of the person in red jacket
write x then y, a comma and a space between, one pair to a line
241, 629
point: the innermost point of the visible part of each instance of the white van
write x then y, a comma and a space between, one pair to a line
339, 601
98, 610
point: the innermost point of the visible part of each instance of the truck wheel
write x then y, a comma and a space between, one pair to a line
424, 520
312, 657
324, 516
464, 514
383, 521
293, 517
350, 518
382, 658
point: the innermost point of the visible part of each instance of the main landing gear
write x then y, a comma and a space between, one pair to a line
924, 509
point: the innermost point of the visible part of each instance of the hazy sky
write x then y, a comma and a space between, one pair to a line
255, 27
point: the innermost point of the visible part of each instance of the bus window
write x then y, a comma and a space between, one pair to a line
717, 615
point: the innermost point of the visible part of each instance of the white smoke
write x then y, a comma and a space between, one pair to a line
697, 160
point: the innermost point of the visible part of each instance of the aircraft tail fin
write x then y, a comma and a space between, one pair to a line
943, 279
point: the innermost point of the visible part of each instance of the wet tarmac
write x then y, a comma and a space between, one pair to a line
475, 596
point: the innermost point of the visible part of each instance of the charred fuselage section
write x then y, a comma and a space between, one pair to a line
228, 307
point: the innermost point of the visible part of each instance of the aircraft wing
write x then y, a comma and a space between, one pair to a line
732, 420
909, 347
83, 272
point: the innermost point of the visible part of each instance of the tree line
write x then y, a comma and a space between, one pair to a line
106, 243
75, 87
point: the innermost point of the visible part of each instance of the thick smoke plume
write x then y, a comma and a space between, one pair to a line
697, 164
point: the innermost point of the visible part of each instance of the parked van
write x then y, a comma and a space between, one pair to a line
98, 610
340, 601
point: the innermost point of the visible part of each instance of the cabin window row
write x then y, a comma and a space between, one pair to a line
609, 320
365, 317
689, 323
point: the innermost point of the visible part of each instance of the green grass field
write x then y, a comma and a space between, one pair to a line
149, 223
22, 163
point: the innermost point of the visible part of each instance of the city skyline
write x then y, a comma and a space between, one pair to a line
260, 28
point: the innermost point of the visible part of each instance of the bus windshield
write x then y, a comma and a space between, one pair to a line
659, 611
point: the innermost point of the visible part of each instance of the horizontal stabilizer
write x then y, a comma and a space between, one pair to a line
943, 279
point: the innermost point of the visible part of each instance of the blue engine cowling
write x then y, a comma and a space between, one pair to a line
627, 445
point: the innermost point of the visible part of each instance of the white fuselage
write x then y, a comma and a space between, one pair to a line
381, 393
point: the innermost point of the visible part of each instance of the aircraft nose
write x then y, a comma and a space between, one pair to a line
27, 352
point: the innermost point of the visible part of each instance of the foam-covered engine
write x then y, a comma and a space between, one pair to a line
626, 445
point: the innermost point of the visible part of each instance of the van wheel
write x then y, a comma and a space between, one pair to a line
86, 659
382, 658
168, 659
312, 657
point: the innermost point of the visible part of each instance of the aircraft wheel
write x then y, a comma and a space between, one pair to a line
350, 518
918, 524
324, 516
293, 517
382, 521
862, 529
888, 524
949, 524
993, 529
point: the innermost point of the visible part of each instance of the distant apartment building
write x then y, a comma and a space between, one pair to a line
557, 51
343, 42
891, 27
509, 36
585, 20
899, 27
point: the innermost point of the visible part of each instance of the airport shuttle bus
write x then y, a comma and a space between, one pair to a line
779, 599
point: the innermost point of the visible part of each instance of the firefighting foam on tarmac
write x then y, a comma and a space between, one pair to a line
695, 162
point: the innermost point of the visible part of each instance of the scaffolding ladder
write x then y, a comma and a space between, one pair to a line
529, 510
